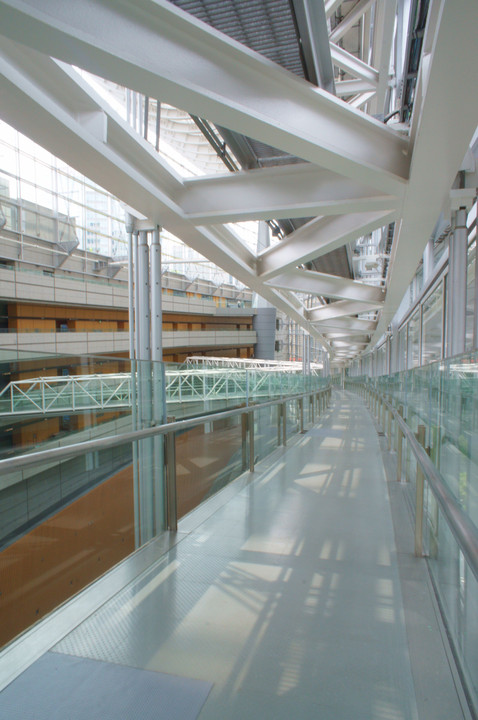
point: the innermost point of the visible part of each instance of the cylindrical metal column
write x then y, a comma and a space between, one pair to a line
475, 309
250, 428
428, 261
143, 310
145, 402
159, 400
136, 292
419, 501
134, 450
156, 307
131, 294
457, 285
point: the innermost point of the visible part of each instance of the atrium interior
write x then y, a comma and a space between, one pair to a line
238, 352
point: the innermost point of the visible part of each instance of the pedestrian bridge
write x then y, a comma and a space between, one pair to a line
76, 393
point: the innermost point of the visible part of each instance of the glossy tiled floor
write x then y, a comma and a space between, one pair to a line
287, 597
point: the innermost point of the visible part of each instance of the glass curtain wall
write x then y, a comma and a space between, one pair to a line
470, 295
413, 347
42, 198
432, 326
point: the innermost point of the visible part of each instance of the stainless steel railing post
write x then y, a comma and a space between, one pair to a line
389, 423
284, 424
244, 440
250, 427
171, 493
419, 501
399, 446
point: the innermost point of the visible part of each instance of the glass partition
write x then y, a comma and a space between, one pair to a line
413, 348
208, 457
440, 403
65, 522
266, 432
432, 326
63, 525
292, 418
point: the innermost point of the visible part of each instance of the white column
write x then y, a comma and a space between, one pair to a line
156, 308
428, 262
456, 296
129, 230
158, 380
132, 246
145, 406
143, 311
136, 292
475, 309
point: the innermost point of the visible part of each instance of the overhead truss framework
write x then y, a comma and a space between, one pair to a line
352, 173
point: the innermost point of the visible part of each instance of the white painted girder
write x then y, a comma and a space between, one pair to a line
158, 50
353, 87
331, 286
352, 336
348, 324
353, 65
341, 308
318, 237
352, 18
294, 191
342, 344
50, 103
444, 120
331, 6
362, 99
383, 34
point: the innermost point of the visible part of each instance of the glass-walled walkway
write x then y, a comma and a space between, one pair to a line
293, 592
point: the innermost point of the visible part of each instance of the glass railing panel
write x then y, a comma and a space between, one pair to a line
51, 400
292, 418
62, 526
470, 631
443, 397
266, 433
64, 523
447, 568
208, 457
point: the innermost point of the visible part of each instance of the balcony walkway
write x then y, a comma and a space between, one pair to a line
290, 594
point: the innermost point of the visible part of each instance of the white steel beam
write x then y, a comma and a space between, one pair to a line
341, 308
365, 37
160, 51
349, 345
281, 192
352, 65
383, 31
332, 286
347, 324
317, 238
353, 336
312, 26
362, 99
444, 120
353, 87
351, 19
331, 6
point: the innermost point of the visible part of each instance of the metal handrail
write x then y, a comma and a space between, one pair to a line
463, 528
68, 451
